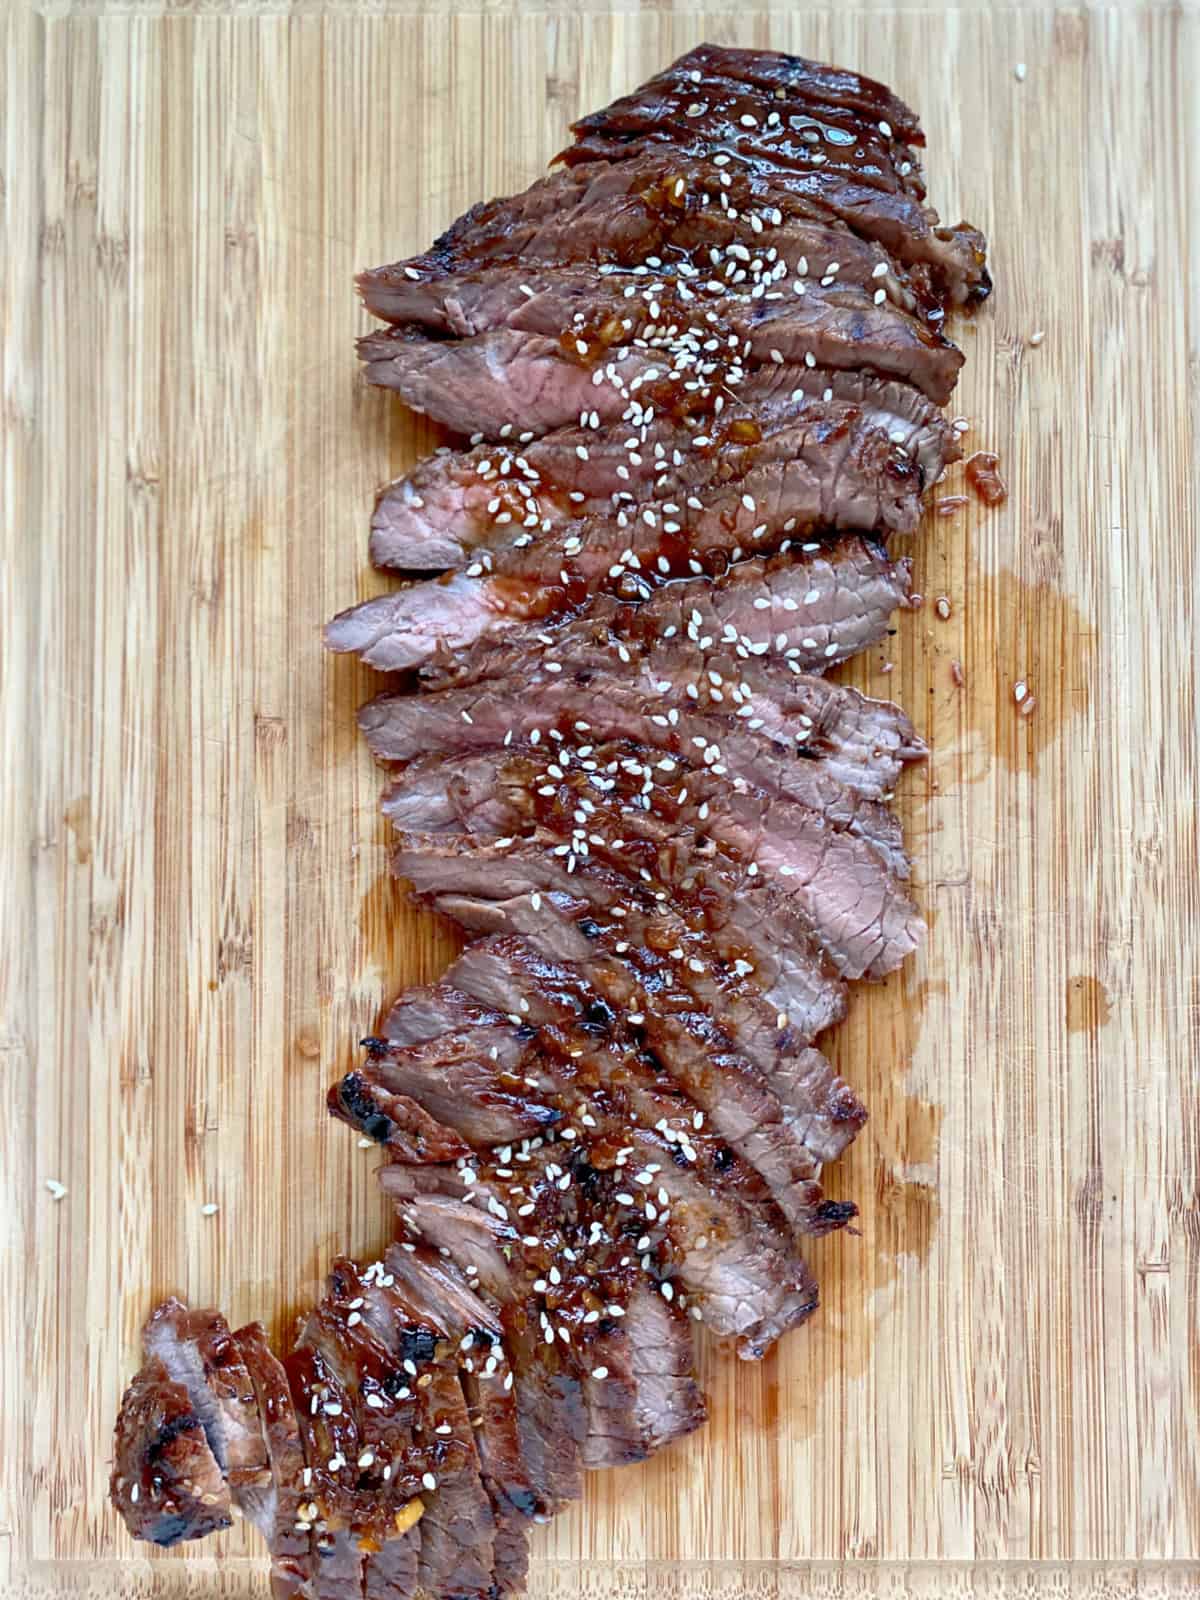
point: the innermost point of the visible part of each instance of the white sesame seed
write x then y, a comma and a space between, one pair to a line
1020, 71
57, 1190
599, 1372
429, 1480
209, 1209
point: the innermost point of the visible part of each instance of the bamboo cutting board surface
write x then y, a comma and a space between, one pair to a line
1001, 1392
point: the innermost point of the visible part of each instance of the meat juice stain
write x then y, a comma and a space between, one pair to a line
1004, 631
1089, 1005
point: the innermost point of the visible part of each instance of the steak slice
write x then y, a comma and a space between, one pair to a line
458, 1530
199, 1352
663, 200
502, 380
789, 734
426, 1011
679, 1046
814, 607
166, 1482
625, 1420
512, 378
476, 1324
702, 243
277, 1514
718, 1242
760, 108
722, 318
445, 1074
821, 1106
562, 927
647, 1395
550, 1418
813, 774
452, 504
394, 1120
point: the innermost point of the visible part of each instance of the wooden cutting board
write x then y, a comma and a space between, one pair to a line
1005, 1377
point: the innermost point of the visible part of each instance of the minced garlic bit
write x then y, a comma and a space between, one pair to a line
409, 1515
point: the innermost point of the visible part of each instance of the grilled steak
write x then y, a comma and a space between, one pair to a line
167, 1481
532, 362
814, 608
791, 736
861, 452
810, 608
700, 365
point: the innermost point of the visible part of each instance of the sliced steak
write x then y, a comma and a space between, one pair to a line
707, 251
624, 1421
573, 916
458, 1530
507, 379
641, 1391
797, 737
551, 1423
394, 1120
166, 1482
511, 378
729, 1260
453, 504
682, 831
199, 1352
820, 1106
277, 1514
660, 201
746, 308
810, 608
449, 1072
668, 1046
476, 1324
427, 1011
814, 607
758, 103
726, 948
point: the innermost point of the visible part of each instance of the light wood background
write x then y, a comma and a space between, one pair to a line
1001, 1393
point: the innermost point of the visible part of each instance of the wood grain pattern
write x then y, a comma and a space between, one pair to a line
1001, 1393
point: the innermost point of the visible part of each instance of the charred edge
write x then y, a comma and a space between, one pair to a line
351, 1101
170, 1431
